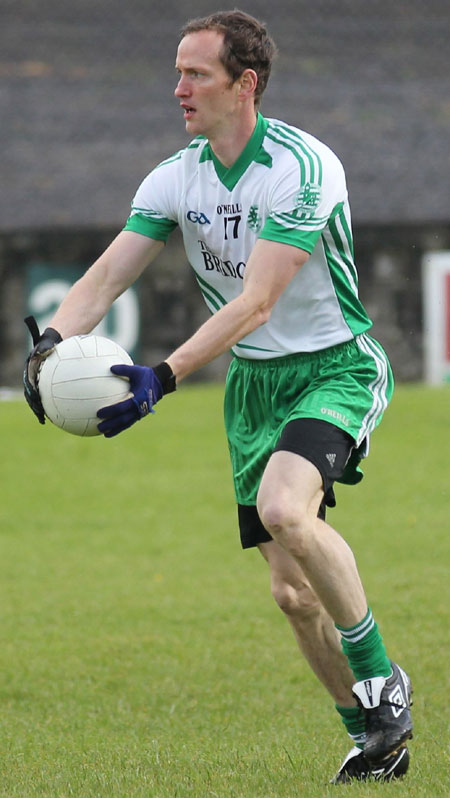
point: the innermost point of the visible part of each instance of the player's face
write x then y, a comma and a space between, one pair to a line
206, 94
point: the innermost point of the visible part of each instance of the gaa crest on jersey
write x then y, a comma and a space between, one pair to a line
254, 220
308, 197
197, 217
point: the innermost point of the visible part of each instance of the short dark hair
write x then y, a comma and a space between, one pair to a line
246, 44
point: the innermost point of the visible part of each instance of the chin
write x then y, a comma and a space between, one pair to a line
193, 128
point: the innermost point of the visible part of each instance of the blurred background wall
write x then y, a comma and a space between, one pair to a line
87, 109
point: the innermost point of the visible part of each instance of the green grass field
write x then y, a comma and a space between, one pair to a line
141, 651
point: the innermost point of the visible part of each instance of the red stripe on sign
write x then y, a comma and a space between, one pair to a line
447, 316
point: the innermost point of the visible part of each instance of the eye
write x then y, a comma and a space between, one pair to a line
192, 73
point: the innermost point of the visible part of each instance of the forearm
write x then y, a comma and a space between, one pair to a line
114, 271
217, 335
269, 269
82, 308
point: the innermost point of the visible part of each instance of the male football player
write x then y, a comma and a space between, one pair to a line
265, 218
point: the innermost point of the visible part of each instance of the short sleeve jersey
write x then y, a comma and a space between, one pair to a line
286, 186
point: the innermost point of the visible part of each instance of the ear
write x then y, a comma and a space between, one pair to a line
247, 84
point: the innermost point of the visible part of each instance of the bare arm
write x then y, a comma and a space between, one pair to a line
269, 269
116, 269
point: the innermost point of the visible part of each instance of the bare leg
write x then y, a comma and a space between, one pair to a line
313, 628
288, 501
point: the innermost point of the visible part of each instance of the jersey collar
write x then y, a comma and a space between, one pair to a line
253, 151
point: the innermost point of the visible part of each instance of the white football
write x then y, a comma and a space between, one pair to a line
75, 381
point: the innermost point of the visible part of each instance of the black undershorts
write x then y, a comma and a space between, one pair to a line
325, 446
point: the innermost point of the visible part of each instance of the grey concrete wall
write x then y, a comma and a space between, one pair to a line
87, 106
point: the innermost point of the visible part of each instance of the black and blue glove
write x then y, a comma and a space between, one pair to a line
148, 386
43, 346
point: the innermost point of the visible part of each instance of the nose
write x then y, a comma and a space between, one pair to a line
182, 89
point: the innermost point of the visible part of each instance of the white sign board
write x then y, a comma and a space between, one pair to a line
436, 308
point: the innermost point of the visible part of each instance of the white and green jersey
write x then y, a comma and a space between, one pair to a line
286, 186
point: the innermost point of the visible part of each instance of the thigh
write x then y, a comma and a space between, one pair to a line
326, 446
347, 386
251, 529
260, 398
292, 482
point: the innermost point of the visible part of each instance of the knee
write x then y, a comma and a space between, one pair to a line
291, 527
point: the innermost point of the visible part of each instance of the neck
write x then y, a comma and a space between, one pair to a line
229, 143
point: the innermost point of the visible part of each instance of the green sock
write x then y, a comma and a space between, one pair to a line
364, 648
354, 721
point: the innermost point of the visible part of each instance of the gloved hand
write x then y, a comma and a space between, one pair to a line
43, 346
148, 386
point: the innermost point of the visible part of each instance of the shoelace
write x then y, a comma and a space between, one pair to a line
386, 703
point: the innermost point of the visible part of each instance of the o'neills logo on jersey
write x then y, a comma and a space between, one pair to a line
226, 267
233, 208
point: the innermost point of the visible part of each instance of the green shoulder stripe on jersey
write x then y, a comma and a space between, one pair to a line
147, 225
294, 138
295, 154
175, 157
282, 134
253, 151
195, 143
308, 149
272, 231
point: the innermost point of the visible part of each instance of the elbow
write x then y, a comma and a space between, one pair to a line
260, 315
255, 311
263, 315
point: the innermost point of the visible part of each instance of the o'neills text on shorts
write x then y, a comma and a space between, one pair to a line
326, 411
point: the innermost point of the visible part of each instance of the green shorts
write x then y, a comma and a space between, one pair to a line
348, 385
